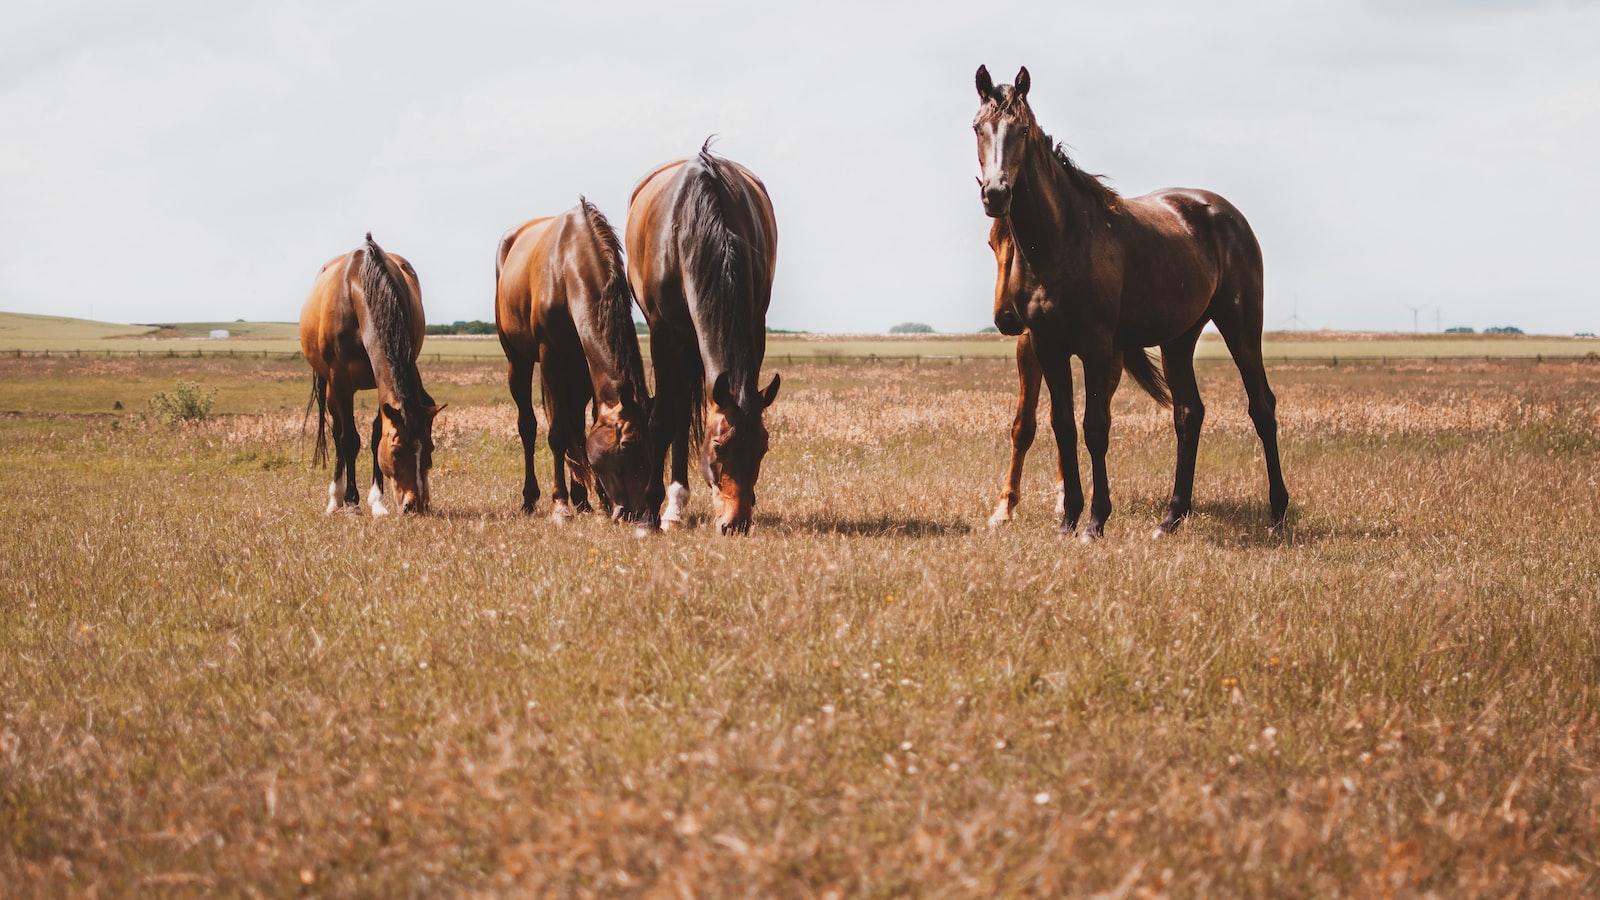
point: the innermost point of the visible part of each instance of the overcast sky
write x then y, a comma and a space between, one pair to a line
178, 160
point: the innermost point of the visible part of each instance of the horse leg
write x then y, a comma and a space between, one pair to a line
375, 495
1102, 370
347, 444
577, 402
555, 411
1244, 343
519, 377
1188, 414
1056, 366
678, 491
1024, 425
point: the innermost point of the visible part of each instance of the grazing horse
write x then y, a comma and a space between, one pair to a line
1014, 285
1119, 274
562, 301
362, 328
703, 242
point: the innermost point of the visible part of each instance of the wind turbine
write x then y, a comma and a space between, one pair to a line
1415, 312
1295, 322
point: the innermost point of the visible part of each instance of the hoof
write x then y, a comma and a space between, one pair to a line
561, 513
375, 501
1158, 534
672, 524
643, 531
1090, 535
999, 518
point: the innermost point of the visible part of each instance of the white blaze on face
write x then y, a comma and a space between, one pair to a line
992, 165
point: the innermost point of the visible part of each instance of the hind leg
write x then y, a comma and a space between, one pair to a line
1024, 425
1242, 333
375, 495
1188, 414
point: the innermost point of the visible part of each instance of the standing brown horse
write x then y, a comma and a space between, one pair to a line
1014, 287
562, 301
1120, 274
703, 242
362, 328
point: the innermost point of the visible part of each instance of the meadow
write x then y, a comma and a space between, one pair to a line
208, 686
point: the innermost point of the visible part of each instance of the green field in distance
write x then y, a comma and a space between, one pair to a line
36, 334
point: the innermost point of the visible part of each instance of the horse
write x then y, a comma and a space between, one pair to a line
1014, 285
562, 300
1119, 273
703, 242
362, 328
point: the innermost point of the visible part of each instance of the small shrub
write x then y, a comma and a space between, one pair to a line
911, 328
188, 402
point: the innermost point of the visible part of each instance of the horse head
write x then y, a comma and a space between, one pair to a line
618, 447
730, 456
405, 453
1004, 126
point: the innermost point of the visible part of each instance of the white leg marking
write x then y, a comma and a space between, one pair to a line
677, 499
375, 500
1061, 499
1002, 513
335, 494
561, 512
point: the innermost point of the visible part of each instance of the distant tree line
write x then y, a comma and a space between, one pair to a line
476, 326
911, 328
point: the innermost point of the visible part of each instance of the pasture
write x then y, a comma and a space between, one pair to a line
206, 685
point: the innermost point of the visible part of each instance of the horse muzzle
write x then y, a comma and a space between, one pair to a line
996, 199
1008, 322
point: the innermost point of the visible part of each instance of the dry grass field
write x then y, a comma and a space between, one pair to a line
207, 686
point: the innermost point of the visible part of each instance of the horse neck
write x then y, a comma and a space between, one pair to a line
1049, 214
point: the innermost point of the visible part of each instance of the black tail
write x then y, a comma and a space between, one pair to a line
1138, 364
319, 396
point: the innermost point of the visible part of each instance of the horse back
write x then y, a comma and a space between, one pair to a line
520, 275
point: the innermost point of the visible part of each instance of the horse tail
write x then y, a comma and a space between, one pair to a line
1138, 364
319, 396
719, 261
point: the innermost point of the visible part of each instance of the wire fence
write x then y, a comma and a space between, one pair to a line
788, 359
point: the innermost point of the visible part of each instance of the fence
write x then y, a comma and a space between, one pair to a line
787, 359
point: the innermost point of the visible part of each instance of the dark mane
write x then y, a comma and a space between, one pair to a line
390, 319
616, 320
1093, 185
725, 270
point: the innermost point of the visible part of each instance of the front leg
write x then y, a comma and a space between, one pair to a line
1056, 364
1102, 370
375, 495
1024, 425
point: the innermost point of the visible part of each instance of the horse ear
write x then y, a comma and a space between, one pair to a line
1022, 83
771, 392
722, 392
985, 83
433, 412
